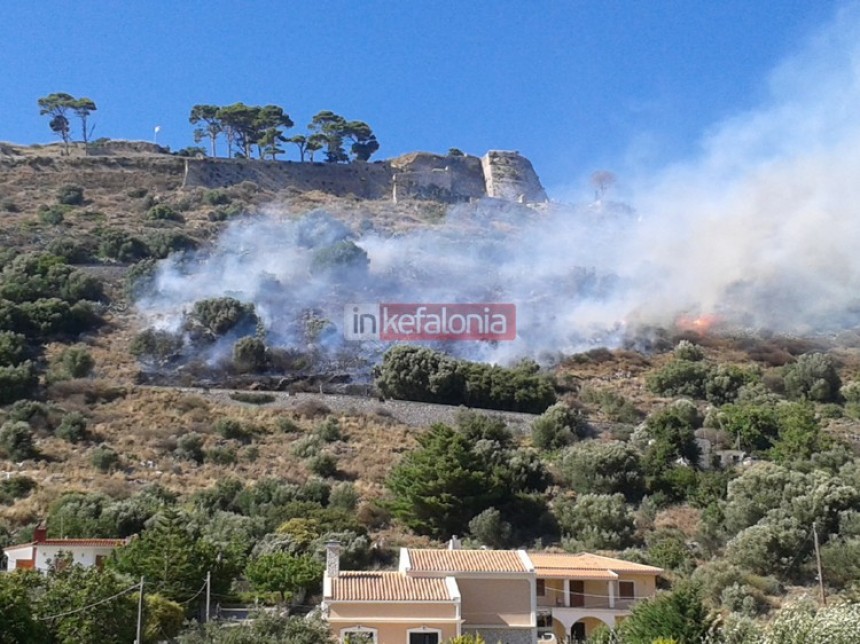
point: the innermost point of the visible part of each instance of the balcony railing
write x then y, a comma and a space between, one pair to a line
555, 598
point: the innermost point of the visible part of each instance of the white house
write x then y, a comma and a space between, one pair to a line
39, 553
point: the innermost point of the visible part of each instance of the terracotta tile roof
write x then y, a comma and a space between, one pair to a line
387, 586
571, 573
71, 543
468, 561
559, 564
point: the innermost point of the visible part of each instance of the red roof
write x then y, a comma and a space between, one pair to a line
71, 543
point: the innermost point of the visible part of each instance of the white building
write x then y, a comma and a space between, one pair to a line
39, 553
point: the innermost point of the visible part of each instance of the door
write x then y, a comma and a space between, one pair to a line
577, 593
577, 632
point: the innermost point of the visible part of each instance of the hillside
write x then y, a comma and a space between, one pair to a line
135, 408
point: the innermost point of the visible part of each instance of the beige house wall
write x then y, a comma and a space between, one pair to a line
397, 633
490, 601
391, 610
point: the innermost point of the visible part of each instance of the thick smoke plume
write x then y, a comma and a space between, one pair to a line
761, 230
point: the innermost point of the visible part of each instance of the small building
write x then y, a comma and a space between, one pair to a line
508, 596
39, 553
578, 593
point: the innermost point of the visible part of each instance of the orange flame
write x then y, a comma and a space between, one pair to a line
700, 324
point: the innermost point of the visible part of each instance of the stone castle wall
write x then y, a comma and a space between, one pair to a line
420, 175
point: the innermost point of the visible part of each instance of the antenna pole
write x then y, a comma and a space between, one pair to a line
818, 564
139, 638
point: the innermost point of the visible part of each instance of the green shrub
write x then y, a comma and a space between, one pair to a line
232, 430
307, 447
76, 362
596, 521
73, 251
557, 427
16, 441
73, 428
341, 258
221, 455
490, 530
613, 405
13, 348
419, 373
163, 212
668, 549
288, 425
17, 382
121, 246
344, 496
216, 197
324, 465
329, 431
15, 487
52, 215
252, 398
724, 383
851, 391
156, 346
140, 278
225, 212
686, 350
596, 467
162, 243
812, 377
216, 317
679, 616
190, 447
679, 378
755, 427
249, 355
70, 195
104, 459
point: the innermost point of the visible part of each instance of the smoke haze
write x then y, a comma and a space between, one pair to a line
761, 230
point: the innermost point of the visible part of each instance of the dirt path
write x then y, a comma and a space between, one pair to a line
415, 414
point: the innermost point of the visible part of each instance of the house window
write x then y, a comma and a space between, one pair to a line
358, 635
424, 636
626, 589
540, 587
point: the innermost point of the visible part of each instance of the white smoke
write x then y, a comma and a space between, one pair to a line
763, 226
762, 229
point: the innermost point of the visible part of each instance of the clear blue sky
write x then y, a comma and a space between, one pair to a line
574, 85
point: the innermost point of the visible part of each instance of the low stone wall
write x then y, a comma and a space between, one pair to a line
506, 635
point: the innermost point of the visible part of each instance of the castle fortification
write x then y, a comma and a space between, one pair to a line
418, 175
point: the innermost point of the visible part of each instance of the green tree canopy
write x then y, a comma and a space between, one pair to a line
211, 126
58, 106
286, 574
679, 616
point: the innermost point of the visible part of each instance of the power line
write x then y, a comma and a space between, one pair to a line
93, 605
190, 599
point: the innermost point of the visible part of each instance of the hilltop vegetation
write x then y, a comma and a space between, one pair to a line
709, 455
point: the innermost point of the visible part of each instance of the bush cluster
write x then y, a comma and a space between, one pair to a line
418, 373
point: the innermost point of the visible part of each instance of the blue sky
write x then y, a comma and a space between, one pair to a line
573, 85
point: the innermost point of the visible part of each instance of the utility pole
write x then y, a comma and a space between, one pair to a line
818, 563
208, 592
139, 638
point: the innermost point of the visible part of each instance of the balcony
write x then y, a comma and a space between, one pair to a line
592, 594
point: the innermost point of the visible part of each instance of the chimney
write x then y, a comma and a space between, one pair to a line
454, 543
332, 559
40, 534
